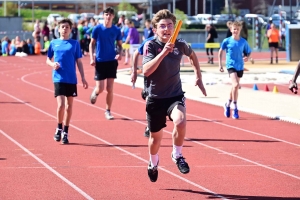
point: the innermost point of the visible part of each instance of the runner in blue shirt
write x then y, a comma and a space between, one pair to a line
104, 37
65, 54
234, 46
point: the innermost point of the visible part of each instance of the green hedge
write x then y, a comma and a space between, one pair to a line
26, 14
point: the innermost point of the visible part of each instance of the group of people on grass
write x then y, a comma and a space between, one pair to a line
161, 67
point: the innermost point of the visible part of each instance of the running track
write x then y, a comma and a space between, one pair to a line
251, 158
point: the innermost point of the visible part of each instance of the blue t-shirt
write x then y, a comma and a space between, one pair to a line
141, 47
66, 53
148, 33
4, 46
105, 42
13, 50
125, 31
234, 52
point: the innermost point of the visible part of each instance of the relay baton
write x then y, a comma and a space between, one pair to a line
175, 34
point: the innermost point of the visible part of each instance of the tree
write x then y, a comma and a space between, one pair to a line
261, 7
125, 6
11, 9
180, 16
233, 8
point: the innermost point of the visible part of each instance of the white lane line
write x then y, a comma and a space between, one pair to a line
108, 143
47, 166
224, 152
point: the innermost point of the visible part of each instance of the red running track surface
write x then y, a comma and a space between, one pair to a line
250, 158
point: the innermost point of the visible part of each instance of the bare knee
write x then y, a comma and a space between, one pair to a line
60, 106
109, 89
180, 122
235, 85
68, 107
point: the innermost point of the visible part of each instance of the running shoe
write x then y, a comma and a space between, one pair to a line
108, 115
147, 132
94, 96
181, 164
65, 138
152, 172
226, 110
57, 135
235, 114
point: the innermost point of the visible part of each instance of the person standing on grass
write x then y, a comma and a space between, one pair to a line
106, 60
66, 54
293, 84
161, 66
234, 46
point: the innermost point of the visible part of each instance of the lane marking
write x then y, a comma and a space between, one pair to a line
47, 166
202, 144
104, 141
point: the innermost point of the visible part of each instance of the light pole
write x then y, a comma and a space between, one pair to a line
174, 6
32, 4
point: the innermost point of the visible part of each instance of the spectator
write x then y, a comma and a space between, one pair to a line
46, 46
211, 35
283, 36
12, 48
74, 32
148, 30
228, 34
4, 46
124, 32
45, 30
133, 36
36, 29
37, 46
274, 37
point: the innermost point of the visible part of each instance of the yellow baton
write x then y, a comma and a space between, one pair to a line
175, 34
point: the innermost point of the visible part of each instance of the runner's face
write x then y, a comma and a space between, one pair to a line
64, 29
108, 17
164, 29
235, 30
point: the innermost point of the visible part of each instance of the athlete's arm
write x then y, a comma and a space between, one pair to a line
92, 51
152, 65
80, 69
54, 65
195, 63
220, 60
119, 44
135, 57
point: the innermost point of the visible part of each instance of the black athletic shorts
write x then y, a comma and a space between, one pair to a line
158, 109
273, 44
238, 73
65, 89
104, 70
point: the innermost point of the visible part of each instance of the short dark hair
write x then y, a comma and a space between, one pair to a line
65, 20
109, 10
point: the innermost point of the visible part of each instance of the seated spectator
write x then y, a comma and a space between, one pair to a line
12, 48
46, 46
24, 51
4, 46
30, 46
37, 46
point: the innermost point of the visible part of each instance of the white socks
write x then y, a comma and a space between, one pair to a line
154, 160
176, 151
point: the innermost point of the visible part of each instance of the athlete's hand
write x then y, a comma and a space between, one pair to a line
221, 68
169, 47
293, 87
245, 59
118, 57
92, 63
133, 76
199, 83
55, 65
85, 84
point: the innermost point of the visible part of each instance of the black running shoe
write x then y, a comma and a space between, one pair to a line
152, 172
65, 138
147, 132
57, 135
181, 164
